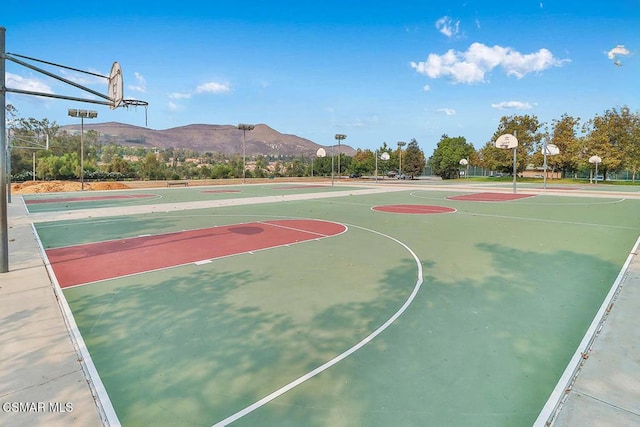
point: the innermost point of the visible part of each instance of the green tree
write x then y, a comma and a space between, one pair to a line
610, 136
445, 160
150, 167
413, 159
527, 130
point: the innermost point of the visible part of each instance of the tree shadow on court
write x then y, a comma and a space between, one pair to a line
180, 349
481, 351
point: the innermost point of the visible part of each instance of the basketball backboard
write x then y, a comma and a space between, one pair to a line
507, 141
551, 150
321, 152
385, 156
595, 160
115, 89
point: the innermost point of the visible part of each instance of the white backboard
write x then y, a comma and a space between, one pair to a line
595, 159
385, 156
507, 141
321, 152
551, 150
115, 89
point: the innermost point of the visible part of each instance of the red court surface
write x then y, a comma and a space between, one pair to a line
414, 209
88, 198
490, 197
75, 265
220, 191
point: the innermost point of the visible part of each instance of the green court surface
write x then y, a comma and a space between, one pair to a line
54, 202
490, 303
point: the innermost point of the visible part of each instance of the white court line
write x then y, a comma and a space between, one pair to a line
565, 383
341, 356
555, 221
301, 230
101, 397
205, 261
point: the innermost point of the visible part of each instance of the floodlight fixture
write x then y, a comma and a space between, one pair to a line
83, 114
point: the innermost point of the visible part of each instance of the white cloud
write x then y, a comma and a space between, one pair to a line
472, 66
14, 81
142, 83
618, 50
426, 88
447, 111
512, 105
448, 27
179, 95
173, 107
213, 87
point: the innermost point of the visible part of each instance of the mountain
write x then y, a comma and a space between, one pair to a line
226, 139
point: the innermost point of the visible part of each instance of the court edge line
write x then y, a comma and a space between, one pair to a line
208, 260
413, 194
565, 384
555, 221
341, 356
92, 377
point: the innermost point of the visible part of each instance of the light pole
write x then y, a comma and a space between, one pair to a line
244, 128
83, 114
400, 145
339, 137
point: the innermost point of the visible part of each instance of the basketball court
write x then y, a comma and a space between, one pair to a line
380, 306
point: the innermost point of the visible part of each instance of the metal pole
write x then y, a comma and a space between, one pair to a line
81, 153
376, 165
8, 165
545, 165
244, 156
332, 166
4, 237
515, 150
33, 178
339, 159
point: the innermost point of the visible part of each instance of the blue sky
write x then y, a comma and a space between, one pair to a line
375, 71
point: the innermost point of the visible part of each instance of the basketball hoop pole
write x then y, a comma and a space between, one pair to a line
4, 238
515, 169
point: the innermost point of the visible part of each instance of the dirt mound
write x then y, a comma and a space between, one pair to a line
108, 186
30, 187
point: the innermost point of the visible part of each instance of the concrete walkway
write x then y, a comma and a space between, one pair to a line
604, 389
43, 380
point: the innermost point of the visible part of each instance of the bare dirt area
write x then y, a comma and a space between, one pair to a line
31, 187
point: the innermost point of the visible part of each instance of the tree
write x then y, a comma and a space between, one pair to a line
445, 160
150, 167
527, 130
413, 160
609, 136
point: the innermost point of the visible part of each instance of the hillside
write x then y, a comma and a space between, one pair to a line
226, 139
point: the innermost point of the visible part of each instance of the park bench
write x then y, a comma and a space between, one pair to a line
177, 183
